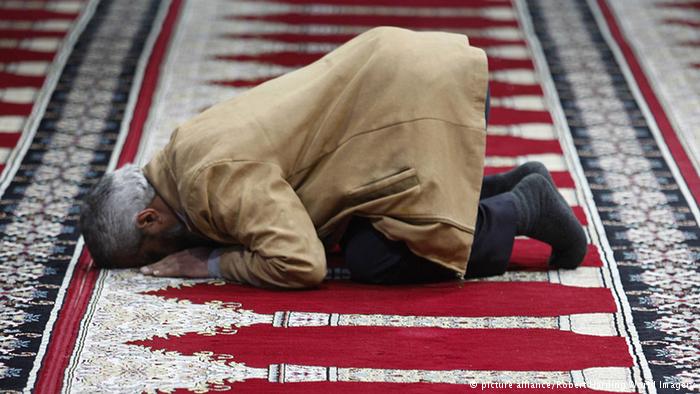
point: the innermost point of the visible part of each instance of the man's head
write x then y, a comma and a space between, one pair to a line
125, 224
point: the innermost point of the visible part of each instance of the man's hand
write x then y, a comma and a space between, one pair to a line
189, 263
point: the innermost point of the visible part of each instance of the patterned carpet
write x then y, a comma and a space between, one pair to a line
605, 92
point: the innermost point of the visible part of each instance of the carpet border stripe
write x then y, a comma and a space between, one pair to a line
673, 148
50, 380
612, 274
41, 102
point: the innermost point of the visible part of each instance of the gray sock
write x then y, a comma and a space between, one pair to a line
543, 214
506, 181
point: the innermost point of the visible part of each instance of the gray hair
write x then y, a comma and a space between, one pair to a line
108, 215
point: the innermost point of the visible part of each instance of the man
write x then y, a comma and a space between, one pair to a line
378, 146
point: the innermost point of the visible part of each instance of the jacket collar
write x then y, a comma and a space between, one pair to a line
159, 175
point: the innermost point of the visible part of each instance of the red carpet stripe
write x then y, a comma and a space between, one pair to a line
295, 37
499, 145
498, 89
441, 299
497, 64
406, 3
34, 15
580, 214
501, 116
11, 55
294, 59
8, 80
287, 59
241, 83
561, 178
485, 42
689, 5
15, 109
50, 377
504, 89
408, 348
682, 22
26, 33
531, 253
476, 41
415, 22
9, 140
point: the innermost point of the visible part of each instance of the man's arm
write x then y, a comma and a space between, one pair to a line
250, 203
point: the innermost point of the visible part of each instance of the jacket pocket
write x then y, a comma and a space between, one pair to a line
387, 186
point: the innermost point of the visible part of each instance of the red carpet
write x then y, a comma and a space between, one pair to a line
87, 86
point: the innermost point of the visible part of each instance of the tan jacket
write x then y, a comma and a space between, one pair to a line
388, 126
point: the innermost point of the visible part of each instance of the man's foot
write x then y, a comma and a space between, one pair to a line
506, 181
543, 214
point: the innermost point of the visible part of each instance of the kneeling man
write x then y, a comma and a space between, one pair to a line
377, 147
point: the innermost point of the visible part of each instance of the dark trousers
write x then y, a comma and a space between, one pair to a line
373, 258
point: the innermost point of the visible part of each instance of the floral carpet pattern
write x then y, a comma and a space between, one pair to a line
604, 92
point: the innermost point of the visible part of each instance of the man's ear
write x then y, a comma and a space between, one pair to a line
147, 219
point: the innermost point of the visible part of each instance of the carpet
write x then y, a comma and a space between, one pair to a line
605, 92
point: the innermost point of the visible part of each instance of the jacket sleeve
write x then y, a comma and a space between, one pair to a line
250, 203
